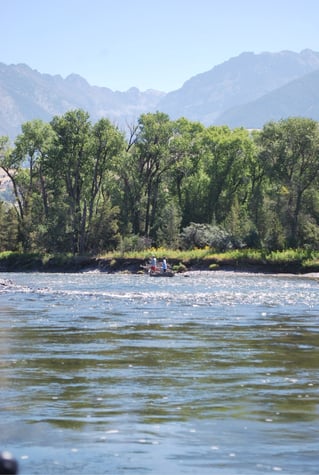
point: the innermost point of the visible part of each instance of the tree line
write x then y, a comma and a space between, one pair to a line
89, 188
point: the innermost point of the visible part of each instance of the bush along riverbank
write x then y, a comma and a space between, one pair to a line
289, 261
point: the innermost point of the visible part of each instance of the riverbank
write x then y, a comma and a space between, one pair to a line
15, 262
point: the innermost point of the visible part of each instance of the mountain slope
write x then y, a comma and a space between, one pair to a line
238, 92
240, 80
297, 98
26, 94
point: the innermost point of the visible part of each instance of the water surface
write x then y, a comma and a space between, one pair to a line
204, 373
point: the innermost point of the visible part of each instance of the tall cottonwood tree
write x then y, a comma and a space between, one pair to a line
228, 155
9, 225
108, 145
81, 160
71, 164
144, 170
24, 167
186, 148
222, 177
290, 156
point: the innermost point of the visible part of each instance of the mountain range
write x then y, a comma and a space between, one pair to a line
247, 90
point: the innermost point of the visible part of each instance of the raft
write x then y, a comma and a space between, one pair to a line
168, 273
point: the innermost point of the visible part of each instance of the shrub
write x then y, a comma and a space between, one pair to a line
134, 243
199, 235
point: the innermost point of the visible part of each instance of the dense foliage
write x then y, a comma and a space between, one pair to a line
86, 189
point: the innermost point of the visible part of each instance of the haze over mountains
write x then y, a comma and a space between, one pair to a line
248, 90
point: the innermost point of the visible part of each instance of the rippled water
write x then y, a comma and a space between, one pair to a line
205, 373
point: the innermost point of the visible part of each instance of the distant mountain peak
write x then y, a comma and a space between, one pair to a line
77, 80
239, 80
248, 86
26, 94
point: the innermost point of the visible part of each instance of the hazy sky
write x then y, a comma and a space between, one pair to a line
150, 44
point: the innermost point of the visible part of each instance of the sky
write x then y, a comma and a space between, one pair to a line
149, 44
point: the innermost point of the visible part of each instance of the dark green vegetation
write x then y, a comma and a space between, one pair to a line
85, 189
296, 261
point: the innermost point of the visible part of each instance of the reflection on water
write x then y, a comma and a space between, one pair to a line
213, 373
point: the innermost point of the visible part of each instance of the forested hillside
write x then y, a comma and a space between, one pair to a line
85, 188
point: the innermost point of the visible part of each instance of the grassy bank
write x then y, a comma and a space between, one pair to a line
293, 261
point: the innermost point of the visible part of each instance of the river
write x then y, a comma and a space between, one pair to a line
204, 373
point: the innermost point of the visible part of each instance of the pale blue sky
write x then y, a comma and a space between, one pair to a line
150, 44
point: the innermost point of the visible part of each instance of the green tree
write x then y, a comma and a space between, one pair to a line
82, 163
71, 165
186, 147
290, 157
145, 171
8, 228
108, 145
227, 161
24, 167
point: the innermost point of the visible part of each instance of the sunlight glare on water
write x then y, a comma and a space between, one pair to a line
205, 373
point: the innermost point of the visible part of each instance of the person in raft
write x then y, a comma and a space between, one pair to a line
153, 264
164, 265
